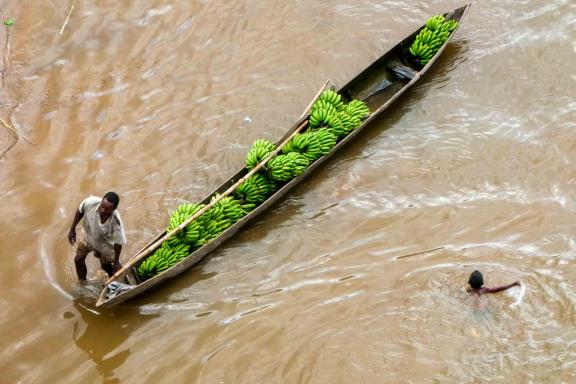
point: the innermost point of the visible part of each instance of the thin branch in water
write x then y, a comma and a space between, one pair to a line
68, 18
6, 58
419, 253
15, 132
9, 148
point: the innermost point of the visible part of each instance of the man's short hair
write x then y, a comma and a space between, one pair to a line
476, 280
113, 198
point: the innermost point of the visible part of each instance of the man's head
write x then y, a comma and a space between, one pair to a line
476, 280
109, 203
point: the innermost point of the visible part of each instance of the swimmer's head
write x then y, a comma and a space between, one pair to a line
476, 280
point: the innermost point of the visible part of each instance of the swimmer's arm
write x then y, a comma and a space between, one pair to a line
502, 288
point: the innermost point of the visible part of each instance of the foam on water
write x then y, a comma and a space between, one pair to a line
517, 293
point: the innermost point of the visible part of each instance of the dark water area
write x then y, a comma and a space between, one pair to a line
474, 168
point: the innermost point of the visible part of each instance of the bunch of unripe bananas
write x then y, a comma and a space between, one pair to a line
306, 144
328, 98
220, 217
357, 110
259, 151
256, 189
192, 232
288, 166
200, 231
330, 119
164, 257
431, 38
311, 144
331, 113
326, 139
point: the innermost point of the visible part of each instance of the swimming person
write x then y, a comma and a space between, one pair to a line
476, 282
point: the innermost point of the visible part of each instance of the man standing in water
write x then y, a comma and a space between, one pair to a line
103, 233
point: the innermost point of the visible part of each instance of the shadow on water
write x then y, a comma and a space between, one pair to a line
101, 333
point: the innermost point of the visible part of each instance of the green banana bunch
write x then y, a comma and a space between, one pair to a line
232, 209
331, 97
326, 139
146, 269
321, 119
323, 104
255, 190
191, 233
286, 167
358, 109
217, 223
215, 228
439, 23
435, 22
440, 36
429, 40
280, 168
306, 144
177, 254
149, 267
259, 151
220, 217
299, 161
163, 258
349, 122
450, 25
426, 36
248, 207
422, 51
353, 114
330, 112
321, 116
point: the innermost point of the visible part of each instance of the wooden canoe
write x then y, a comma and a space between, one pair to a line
379, 86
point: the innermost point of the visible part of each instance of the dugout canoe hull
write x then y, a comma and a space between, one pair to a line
379, 85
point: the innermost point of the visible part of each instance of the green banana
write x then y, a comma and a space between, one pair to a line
259, 151
321, 116
256, 189
286, 167
429, 40
322, 104
326, 139
163, 258
331, 97
191, 233
305, 144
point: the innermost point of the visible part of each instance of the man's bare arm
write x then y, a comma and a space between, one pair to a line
117, 250
502, 288
72, 233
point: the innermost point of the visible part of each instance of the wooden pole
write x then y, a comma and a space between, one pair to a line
307, 110
146, 251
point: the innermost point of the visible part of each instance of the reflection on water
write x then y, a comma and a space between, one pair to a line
100, 334
360, 274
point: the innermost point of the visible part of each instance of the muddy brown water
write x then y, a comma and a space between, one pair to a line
472, 169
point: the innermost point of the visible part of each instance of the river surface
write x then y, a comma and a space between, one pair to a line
359, 275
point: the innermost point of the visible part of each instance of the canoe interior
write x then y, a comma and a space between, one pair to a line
378, 85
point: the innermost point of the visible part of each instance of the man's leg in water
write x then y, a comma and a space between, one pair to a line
106, 262
82, 250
